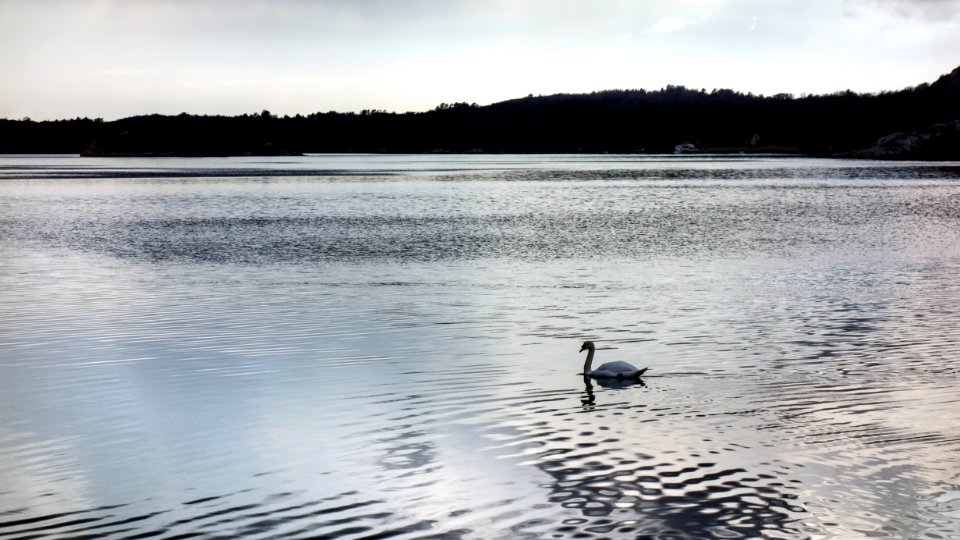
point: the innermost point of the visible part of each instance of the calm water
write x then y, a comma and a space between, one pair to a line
386, 346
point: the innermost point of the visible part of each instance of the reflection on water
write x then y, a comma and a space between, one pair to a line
382, 346
590, 398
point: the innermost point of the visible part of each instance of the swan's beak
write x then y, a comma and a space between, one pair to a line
582, 349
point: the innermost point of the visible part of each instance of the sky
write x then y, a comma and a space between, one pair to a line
118, 58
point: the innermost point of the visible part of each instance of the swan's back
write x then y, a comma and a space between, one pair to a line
615, 369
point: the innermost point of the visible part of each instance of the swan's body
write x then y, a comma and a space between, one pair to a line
615, 370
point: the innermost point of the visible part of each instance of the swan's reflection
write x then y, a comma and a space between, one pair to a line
589, 399
619, 385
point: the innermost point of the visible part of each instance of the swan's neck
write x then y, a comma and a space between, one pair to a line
588, 362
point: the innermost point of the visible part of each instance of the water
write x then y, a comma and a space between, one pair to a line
386, 346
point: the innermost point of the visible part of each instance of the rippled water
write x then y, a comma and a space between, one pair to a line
386, 346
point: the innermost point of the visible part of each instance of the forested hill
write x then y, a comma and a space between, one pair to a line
919, 122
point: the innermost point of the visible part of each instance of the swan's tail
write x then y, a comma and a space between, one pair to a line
641, 372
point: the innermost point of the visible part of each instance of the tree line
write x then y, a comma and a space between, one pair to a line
604, 121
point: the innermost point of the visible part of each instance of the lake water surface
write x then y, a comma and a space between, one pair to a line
387, 346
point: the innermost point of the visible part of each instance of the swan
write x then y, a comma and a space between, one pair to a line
616, 370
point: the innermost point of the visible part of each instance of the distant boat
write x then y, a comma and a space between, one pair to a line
685, 148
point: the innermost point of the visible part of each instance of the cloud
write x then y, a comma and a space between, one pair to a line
669, 24
113, 58
928, 10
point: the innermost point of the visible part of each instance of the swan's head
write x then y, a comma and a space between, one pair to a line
587, 346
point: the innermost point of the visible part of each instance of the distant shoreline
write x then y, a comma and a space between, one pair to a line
919, 123
718, 153
704, 152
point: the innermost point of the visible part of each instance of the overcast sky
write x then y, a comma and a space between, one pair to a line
116, 58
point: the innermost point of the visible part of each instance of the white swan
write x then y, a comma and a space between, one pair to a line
616, 370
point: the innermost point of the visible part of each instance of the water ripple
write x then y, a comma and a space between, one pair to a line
391, 351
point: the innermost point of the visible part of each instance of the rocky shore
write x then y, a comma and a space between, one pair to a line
937, 142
